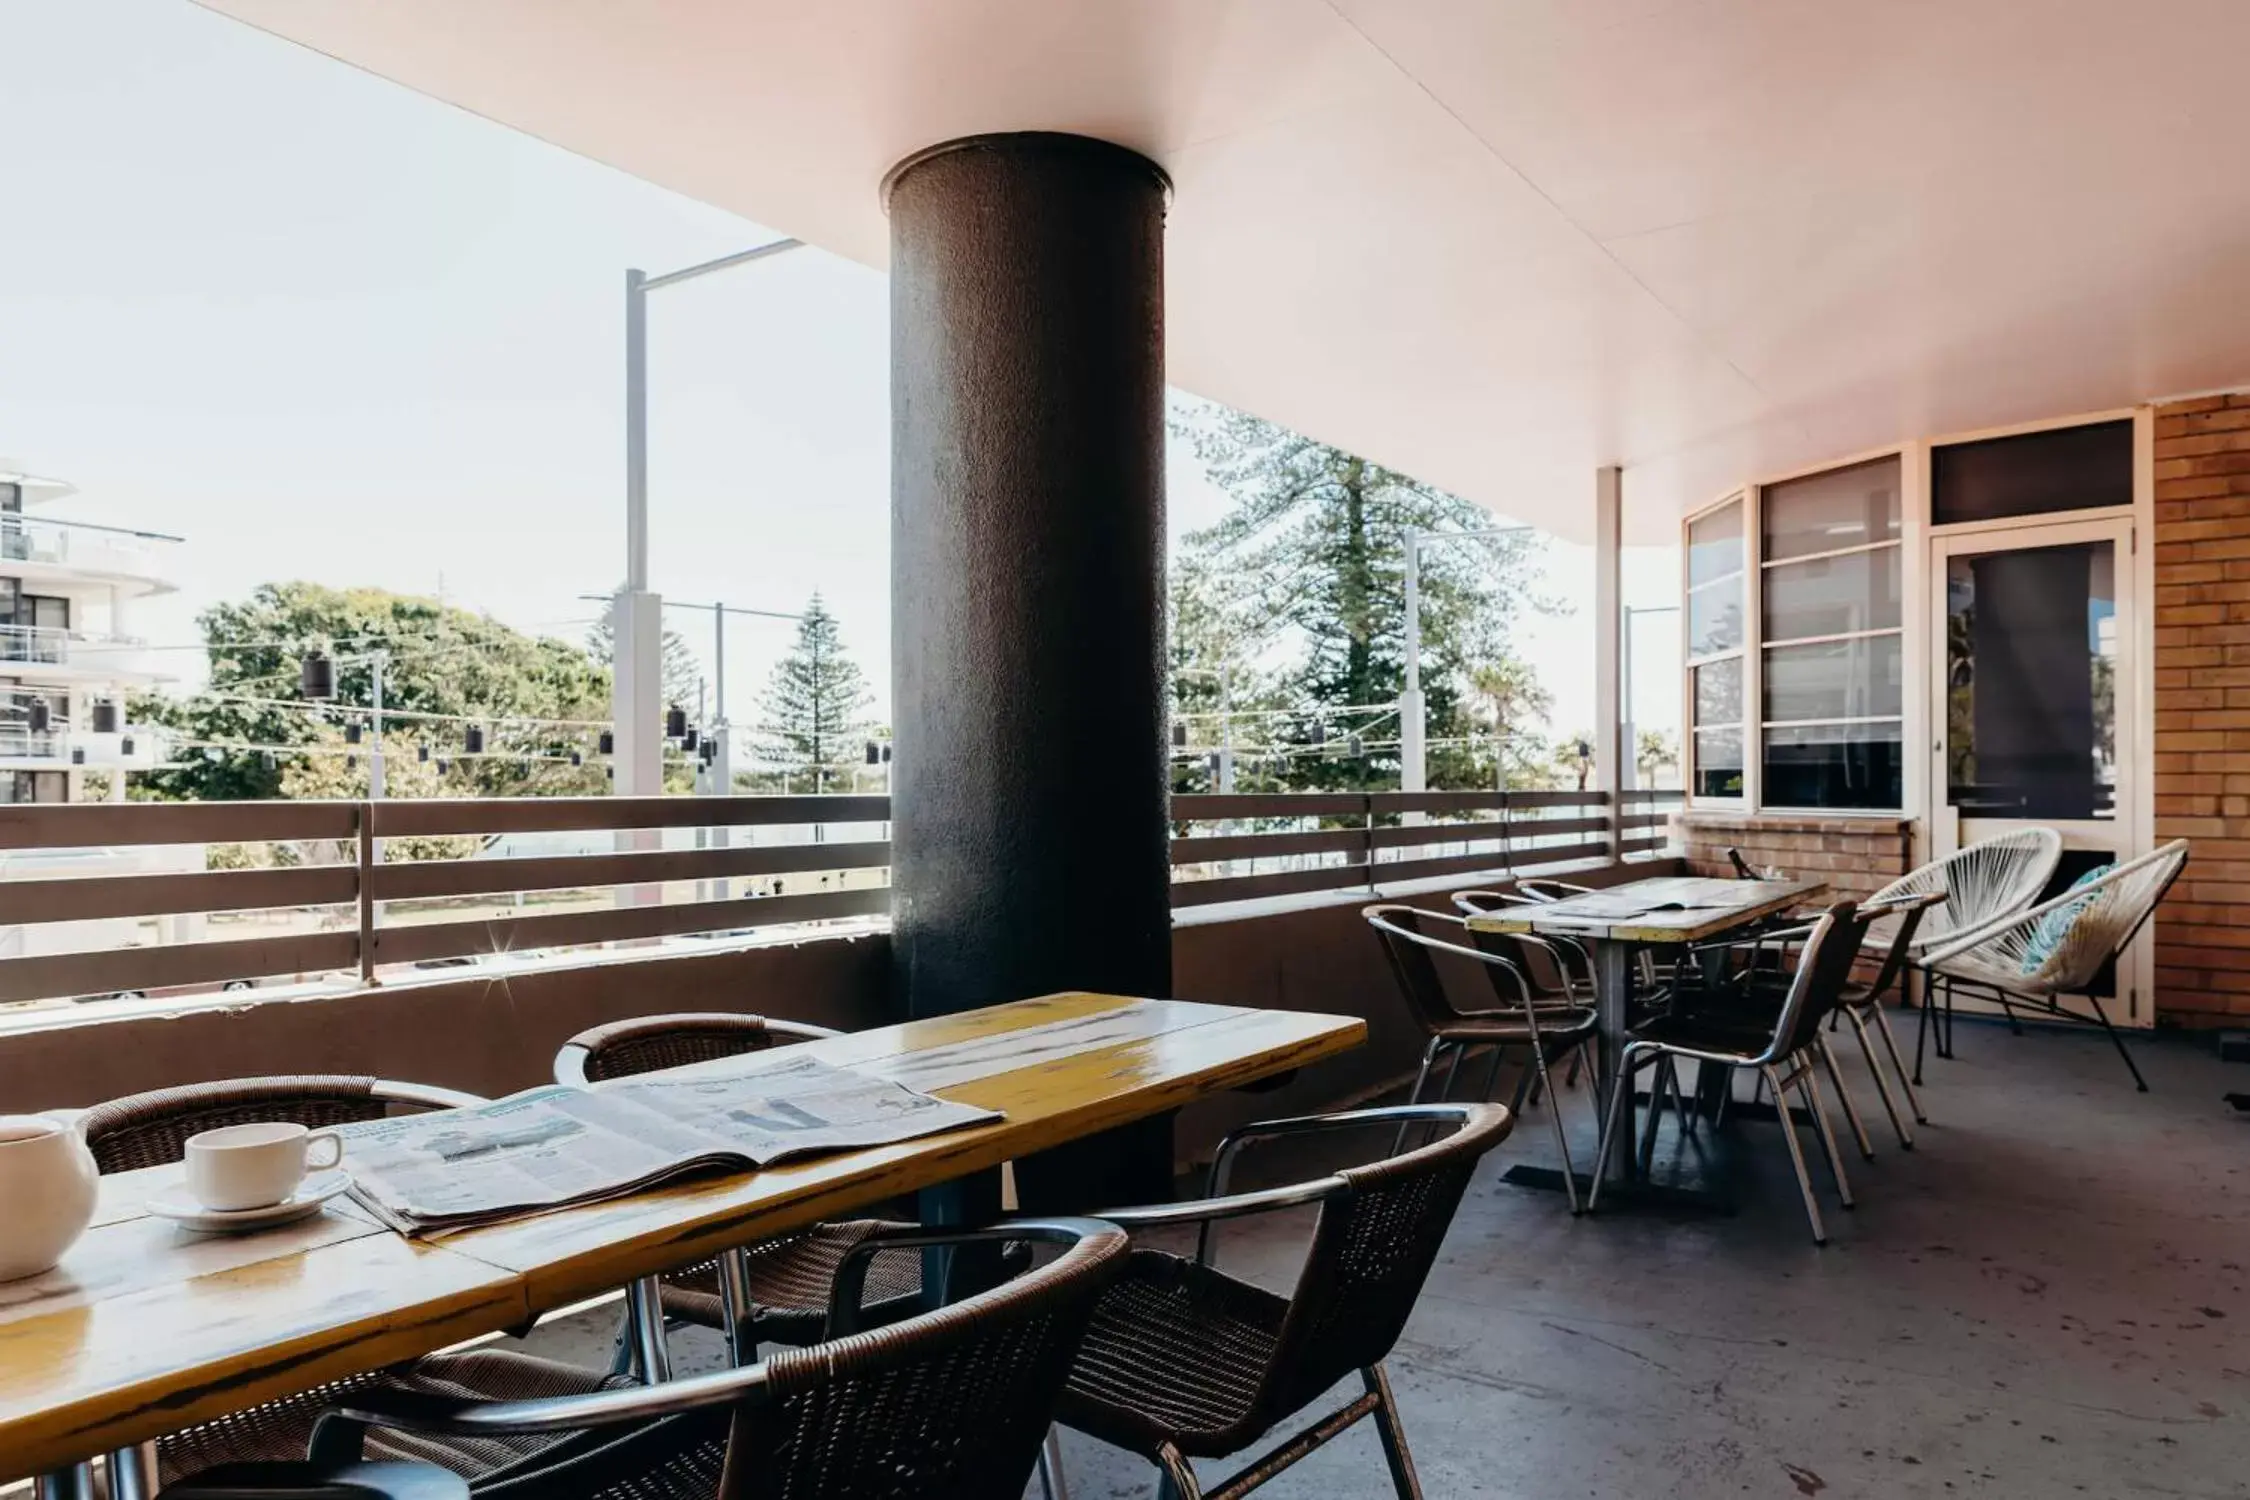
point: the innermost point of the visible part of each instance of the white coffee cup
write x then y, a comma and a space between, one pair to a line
253, 1166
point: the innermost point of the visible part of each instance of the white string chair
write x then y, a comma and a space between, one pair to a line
2059, 947
1981, 884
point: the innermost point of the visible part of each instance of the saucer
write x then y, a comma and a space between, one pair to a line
178, 1205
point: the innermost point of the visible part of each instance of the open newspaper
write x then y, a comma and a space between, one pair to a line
549, 1147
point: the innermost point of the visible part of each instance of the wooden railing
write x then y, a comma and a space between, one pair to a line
345, 890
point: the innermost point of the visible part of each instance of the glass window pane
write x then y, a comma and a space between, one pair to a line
1715, 545
1847, 507
2069, 468
1833, 595
1856, 679
2031, 671
1718, 692
1715, 619
1718, 763
1835, 765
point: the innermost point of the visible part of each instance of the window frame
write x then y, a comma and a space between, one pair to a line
1743, 652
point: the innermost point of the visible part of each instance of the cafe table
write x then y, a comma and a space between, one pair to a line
145, 1328
1619, 922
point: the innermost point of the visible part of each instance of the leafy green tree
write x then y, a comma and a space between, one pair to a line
1312, 555
815, 706
442, 660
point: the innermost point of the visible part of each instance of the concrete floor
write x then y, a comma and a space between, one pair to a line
2045, 1298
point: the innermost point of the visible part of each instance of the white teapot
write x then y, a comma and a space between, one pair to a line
47, 1189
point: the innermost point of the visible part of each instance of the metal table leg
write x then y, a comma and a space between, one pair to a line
1613, 993
73, 1483
132, 1473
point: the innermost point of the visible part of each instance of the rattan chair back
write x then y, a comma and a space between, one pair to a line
152, 1129
644, 1044
1371, 1251
1536, 960
1409, 951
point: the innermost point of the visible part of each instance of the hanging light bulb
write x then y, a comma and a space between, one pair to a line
267, 760
351, 762
1357, 746
710, 752
874, 753
689, 740
352, 733
578, 757
606, 743
125, 745
472, 740
106, 716
1179, 734
1320, 731
443, 765
422, 754
42, 717
78, 755
675, 723
316, 675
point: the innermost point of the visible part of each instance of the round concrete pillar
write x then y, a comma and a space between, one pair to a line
1029, 792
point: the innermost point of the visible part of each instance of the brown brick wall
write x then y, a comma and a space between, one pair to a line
1856, 856
2203, 706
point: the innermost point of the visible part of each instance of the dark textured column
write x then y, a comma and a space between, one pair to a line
1028, 821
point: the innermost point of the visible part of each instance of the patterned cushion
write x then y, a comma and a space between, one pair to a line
2048, 932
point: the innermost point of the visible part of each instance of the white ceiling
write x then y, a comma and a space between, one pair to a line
1497, 243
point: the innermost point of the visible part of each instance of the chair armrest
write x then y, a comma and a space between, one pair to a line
1232, 1206
1756, 939
847, 1292
318, 1481
340, 1435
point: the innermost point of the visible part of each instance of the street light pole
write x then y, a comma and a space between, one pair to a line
1413, 728
636, 613
377, 661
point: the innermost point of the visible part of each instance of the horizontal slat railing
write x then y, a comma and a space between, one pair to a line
356, 887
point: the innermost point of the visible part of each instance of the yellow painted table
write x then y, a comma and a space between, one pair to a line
1618, 921
145, 1328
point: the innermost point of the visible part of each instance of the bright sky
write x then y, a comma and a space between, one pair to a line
327, 328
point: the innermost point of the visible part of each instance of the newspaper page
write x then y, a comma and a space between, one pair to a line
769, 1111
550, 1147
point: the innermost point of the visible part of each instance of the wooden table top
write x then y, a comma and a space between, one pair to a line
145, 1328
1701, 908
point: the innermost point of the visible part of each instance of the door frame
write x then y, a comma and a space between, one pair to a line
2130, 828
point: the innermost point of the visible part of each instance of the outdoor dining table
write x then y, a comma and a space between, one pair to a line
1618, 922
145, 1328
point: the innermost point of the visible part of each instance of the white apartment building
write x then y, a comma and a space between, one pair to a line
68, 660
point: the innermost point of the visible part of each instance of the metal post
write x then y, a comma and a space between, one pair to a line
636, 431
1412, 728
1608, 635
1226, 728
376, 662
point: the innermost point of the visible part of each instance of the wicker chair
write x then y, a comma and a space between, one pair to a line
782, 1296
2029, 960
1785, 1049
1548, 1032
950, 1405
151, 1130
1184, 1362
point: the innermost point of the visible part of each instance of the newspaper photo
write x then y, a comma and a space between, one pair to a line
549, 1147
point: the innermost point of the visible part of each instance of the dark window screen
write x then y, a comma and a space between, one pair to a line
2068, 468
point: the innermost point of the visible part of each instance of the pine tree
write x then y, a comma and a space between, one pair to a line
815, 706
1312, 556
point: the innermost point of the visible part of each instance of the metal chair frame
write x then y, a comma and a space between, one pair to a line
1177, 1478
1095, 1252
1571, 1026
1793, 1050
